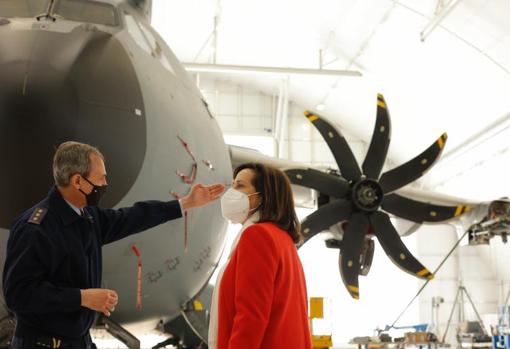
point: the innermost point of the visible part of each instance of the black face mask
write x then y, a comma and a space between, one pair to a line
95, 195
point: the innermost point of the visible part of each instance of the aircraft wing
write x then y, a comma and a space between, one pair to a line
304, 196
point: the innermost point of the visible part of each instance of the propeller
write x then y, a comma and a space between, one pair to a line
360, 198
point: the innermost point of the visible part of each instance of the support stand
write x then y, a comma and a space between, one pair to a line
434, 314
459, 301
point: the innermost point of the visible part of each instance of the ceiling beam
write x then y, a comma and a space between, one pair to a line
442, 10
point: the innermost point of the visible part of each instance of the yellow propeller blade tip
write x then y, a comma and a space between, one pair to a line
442, 140
380, 101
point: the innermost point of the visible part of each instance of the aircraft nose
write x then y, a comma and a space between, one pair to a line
56, 87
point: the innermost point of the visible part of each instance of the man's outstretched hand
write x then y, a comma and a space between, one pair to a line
201, 195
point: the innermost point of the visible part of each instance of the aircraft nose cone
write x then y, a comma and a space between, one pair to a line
57, 87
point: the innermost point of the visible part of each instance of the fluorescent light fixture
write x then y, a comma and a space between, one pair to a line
245, 69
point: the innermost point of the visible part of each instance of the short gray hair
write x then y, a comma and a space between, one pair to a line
72, 158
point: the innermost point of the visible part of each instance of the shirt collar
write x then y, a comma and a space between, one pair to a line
76, 209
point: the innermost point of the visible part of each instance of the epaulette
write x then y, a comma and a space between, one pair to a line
38, 215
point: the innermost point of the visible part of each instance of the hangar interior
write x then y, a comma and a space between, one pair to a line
443, 66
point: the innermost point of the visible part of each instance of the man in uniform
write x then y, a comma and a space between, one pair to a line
52, 272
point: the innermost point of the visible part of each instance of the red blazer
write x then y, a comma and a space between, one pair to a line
262, 301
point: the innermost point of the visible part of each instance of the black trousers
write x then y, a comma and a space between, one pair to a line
51, 343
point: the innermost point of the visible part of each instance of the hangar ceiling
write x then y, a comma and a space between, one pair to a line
456, 80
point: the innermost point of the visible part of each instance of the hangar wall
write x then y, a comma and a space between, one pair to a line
247, 112
482, 270
241, 110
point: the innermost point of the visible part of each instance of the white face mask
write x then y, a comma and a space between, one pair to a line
235, 205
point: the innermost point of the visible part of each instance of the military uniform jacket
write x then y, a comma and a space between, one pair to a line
53, 252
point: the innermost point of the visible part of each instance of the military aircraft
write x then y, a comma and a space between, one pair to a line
97, 72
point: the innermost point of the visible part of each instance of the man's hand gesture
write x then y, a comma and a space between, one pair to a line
201, 195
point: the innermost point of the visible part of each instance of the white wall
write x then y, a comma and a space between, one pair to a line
247, 118
307, 145
239, 110
386, 290
242, 111
474, 267
434, 243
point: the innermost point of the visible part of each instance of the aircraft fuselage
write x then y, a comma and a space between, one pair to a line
103, 76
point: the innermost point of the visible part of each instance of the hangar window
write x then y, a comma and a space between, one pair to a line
23, 8
86, 11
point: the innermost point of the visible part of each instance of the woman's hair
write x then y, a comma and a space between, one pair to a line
277, 201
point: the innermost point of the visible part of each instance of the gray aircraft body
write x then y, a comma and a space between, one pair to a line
97, 72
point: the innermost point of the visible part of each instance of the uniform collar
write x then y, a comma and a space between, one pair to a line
63, 209
75, 209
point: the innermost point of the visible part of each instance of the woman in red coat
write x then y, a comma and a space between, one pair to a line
260, 299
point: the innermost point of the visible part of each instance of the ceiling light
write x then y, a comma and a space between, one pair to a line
245, 69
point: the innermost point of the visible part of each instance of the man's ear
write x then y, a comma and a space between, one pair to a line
75, 180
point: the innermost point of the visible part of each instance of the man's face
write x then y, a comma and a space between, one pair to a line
96, 176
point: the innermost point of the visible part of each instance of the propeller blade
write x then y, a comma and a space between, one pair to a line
367, 256
325, 217
413, 169
338, 145
395, 248
350, 254
378, 148
420, 212
324, 183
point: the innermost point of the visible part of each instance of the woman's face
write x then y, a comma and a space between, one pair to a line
243, 182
